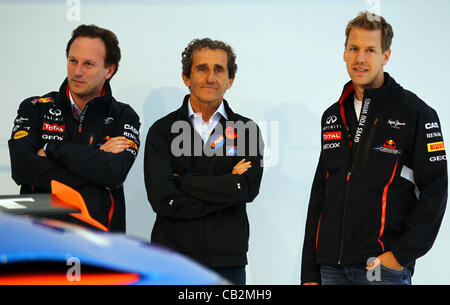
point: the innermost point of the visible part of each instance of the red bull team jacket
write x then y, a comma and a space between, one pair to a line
380, 184
73, 154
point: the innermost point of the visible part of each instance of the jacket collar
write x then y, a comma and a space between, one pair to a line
106, 96
378, 95
388, 85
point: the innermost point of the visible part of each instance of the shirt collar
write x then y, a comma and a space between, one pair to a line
221, 110
72, 102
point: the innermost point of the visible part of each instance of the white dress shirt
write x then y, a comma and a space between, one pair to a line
358, 105
203, 128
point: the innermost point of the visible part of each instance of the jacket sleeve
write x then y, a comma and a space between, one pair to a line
428, 160
164, 194
310, 271
95, 165
27, 167
230, 188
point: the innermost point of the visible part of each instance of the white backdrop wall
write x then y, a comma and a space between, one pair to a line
290, 69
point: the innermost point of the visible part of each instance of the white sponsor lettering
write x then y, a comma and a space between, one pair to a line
20, 120
130, 135
47, 137
129, 127
133, 152
438, 158
331, 127
395, 124
52, 118
358, 134
331, 146
434, 135
362, 120
431, 125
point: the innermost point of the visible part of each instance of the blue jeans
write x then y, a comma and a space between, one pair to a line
358, 275
236, 275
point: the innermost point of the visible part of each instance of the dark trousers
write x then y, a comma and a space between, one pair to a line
358, 275
236, 275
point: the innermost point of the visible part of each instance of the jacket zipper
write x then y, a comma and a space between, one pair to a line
347, 189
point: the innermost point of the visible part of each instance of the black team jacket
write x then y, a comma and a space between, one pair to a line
73, 154
381, 182
202, 211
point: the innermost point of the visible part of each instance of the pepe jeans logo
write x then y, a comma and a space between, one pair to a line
395, 124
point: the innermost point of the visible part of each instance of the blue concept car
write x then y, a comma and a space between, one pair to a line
45, 251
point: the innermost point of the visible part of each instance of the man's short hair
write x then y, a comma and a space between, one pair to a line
110, 40
198, 44
370, 21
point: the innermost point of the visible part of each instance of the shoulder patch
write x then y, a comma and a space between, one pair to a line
20, 134
42, 100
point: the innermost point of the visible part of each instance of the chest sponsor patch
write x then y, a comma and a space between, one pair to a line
389, 147
53, 127
218, 142
231, 151
331, 146
396, 124
436, 146
230, 132
329, 136
20, 134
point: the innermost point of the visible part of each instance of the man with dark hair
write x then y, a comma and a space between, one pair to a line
80, 135
380, 188
199, 186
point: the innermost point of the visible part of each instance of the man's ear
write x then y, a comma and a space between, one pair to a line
387, 56
186, 80
110, 71
231, 80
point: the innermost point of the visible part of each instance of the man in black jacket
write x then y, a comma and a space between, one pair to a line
380, 188
80, 136
202, 164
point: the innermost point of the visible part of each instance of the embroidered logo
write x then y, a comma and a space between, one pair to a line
395, 124
389, 147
